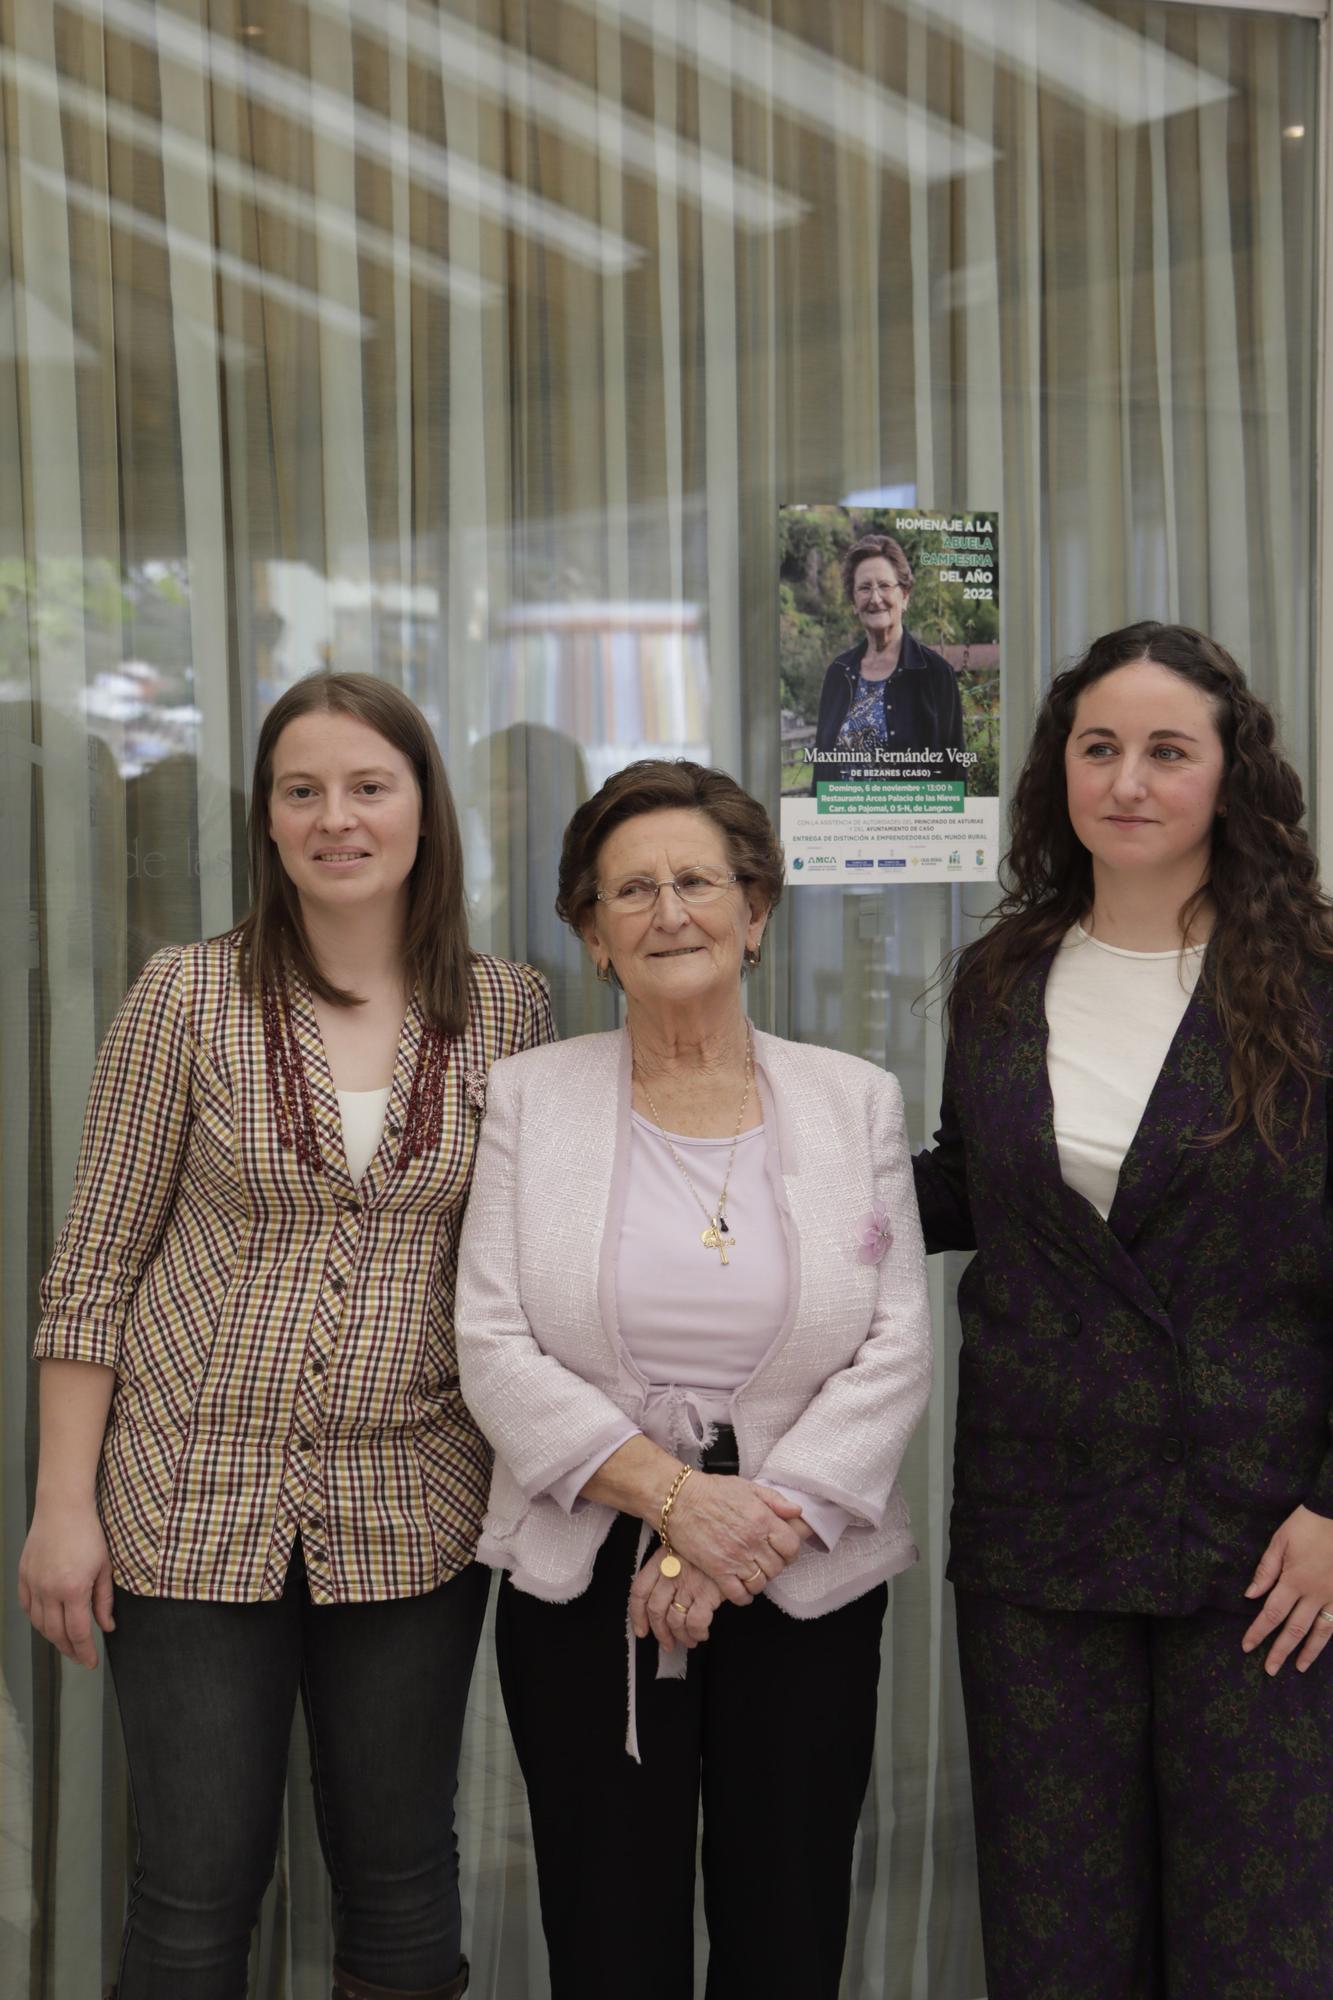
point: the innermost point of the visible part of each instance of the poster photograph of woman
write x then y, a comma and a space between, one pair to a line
889, 663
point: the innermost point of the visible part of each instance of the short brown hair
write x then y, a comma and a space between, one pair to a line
658, 784
876, 545
272, 936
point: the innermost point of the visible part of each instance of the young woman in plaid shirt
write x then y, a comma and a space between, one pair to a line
257, 1474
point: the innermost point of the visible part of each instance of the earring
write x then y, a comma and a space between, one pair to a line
604, 971
753, 956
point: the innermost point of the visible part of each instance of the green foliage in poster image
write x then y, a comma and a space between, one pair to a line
816, 623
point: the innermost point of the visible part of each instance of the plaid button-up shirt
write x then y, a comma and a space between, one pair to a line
282, 1338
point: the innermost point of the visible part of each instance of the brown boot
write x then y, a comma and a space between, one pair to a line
346, 1986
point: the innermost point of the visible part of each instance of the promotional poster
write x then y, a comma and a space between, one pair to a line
889, 662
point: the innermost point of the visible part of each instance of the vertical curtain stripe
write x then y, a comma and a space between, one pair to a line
670, 334
1163, 379
1281, 614
722, 442
616, 387
347, 557
1228, 533
924, 332
189, 211
67, 1945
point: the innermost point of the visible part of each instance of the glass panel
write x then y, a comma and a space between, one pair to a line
479, 345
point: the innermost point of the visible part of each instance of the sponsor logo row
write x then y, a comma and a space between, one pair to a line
830, 864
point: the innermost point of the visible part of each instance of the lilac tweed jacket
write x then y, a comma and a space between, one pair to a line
831, 1406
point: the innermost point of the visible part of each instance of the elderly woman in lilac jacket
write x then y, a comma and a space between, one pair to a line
692, 1320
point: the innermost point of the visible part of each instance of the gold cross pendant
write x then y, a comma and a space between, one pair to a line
713, 1239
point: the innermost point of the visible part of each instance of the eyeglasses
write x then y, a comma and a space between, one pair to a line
694, 887
864, 592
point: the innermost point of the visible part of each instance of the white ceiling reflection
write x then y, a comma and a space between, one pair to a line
809, 85
589, 117
1069, 46
180, 152
151, 229
362, 131
37, 333
1102, 64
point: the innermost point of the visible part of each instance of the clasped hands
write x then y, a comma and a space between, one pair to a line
725, 1530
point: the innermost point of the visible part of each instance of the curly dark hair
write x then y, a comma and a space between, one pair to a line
1271, 922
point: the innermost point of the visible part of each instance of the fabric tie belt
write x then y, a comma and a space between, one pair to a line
680, 1420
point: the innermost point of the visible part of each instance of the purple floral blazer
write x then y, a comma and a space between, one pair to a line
1141, 1400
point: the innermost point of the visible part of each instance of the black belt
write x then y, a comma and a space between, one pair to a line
723, 1454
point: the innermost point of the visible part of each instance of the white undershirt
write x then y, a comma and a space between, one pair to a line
362, 1113
1112, 1015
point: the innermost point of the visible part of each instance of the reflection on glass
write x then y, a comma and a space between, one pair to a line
628, 680
478, 347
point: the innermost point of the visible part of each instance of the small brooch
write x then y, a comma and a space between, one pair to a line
873, 1235
474, 1087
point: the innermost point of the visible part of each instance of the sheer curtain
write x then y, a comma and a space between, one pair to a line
478, 344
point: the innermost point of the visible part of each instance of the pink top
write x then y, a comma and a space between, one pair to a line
695, 1328
685, 1318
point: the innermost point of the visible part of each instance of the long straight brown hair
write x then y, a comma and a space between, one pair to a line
272, 937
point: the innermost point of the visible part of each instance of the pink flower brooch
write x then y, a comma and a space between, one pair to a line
474, 1089
874, 1235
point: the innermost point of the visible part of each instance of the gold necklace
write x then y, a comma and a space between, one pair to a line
714, 1236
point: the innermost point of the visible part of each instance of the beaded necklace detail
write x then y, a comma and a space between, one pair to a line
424, 1122
294, 1107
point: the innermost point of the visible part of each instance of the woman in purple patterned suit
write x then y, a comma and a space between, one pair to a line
1135, 1140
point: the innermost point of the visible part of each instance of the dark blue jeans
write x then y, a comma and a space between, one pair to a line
207, 1693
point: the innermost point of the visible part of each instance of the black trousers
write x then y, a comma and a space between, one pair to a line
775, 1721
207, 1693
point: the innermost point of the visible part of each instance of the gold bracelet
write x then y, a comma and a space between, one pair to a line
670, 1564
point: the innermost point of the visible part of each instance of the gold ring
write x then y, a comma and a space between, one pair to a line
758, 1570
676, 1605
1327, 1617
